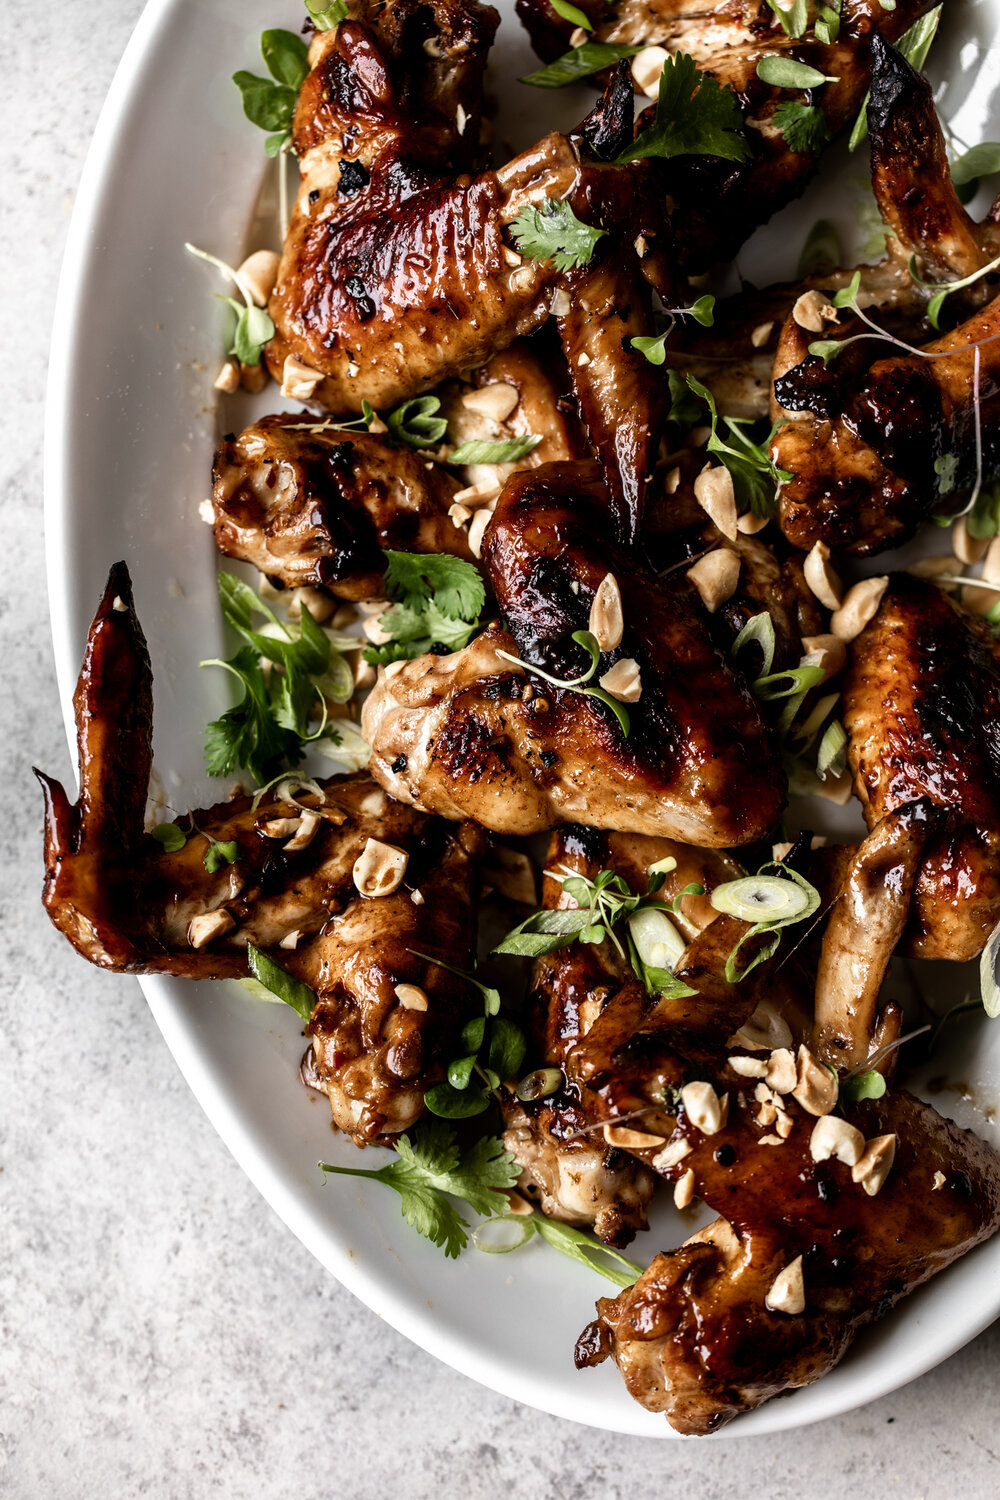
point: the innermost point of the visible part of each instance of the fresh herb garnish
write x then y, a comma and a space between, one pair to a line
602, 904
754, 472
553, 232
170, 836
983, 520
941, 291
269, 103
270, 726
654, 346
695, 116
858, 1086
429, 1169
759, 630
572, 13
787, 73
253, 325
914, 45
822, 251
765, 901
507, 451
277, 981
827, 26
988, 987
416, 424
803, 126
493, 1051
793, 20
218, 854
326, 17
979, 161
438, 601
578, 684
589, 58
581, 1247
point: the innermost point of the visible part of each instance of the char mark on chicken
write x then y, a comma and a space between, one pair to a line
922, 713
128, 904
718, 204
698, 763
311, 506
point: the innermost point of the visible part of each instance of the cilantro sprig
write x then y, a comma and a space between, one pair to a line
438, 601
269, 728
602, 905
803, 126
695, 116
430, 1170
553, 232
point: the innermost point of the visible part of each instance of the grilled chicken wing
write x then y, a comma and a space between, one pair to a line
719, 203
127, 904
313, 506
770, 1296
398, 269
921, 709
463, 735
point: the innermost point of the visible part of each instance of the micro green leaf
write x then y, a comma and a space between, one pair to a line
858, 1086
219, 854
170, 836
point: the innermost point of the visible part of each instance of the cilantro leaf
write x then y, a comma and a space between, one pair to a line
428, 1168
589, 58
248, 735
554, 233
695, 116
754, 473
803, 126
411, 578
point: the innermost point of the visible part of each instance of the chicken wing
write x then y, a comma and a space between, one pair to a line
472, 735
128, 904
921, 710
770, 1296
718, 204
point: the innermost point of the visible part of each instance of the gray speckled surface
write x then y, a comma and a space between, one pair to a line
160, 1331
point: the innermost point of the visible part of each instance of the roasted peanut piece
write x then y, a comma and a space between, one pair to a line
766, 1030
308, 824
209, 925
607, 623
631, 1140
821, 578
748, 1067
259, 272
703, 1107
812, 312
875, 1163
816, 1086
298, 380
684, 1189
781, 1071
713, 490
968, 549
860, 605
647, 66
411, 997
833, 1136
496, 402
671, 1154
623, 681
379, 869
787, 1292
715, 576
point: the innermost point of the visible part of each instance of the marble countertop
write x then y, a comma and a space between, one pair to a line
162, 1332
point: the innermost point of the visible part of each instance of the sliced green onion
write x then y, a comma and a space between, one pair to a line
539, 1084
787, 684
761, 898
504, 1233
657, 941
831, 758
760, 629
280, 983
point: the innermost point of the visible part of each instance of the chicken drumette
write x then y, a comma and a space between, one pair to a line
291, 890
473, 734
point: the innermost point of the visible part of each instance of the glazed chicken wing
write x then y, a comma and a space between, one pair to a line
770, 1296
399, 270
718, 203
473, 735
922, 710
292, 890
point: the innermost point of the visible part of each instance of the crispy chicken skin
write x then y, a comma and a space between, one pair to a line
864, 433
922, 709
580, 1176
127, 904
313, 507
695, 1338
699, 763
717, 204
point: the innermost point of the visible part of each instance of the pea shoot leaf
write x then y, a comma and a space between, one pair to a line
869, 1085
553, 232
695, 116
429, 1170
269, 103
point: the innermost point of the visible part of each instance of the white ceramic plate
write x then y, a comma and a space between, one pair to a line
132, 425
